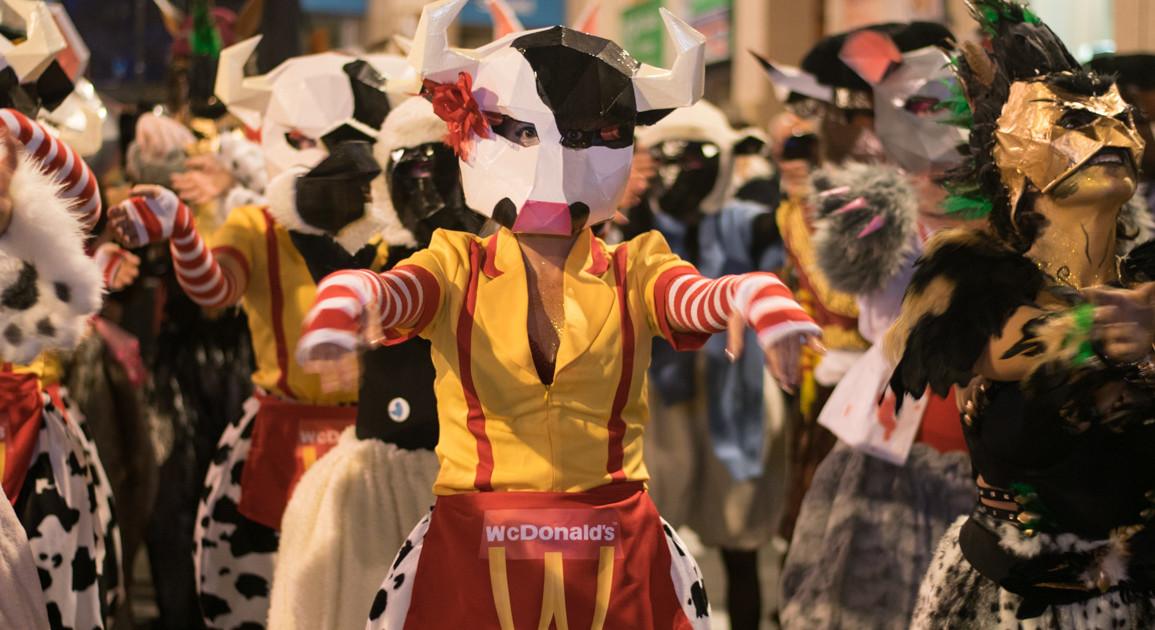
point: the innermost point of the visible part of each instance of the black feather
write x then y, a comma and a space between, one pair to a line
990, 282
1023, 48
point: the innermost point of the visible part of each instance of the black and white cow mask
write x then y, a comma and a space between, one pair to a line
549, 145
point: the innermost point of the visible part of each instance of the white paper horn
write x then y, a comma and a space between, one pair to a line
431, 55
682, 85
246, 97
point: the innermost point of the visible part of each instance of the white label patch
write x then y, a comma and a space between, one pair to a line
399, 410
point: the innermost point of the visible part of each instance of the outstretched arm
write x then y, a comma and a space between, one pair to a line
211, 278
698, 304
353, 305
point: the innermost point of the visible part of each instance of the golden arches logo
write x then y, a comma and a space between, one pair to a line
551, 537
553, 589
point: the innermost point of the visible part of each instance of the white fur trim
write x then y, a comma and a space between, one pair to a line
347, 518
282, 195
1112, 565
410, 124
45, 234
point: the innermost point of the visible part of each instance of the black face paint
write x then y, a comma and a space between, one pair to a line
686, 173
425, 186
334, 193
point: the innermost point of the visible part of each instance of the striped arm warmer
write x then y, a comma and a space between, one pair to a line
61, 162
197, 269
346, 298
700, 304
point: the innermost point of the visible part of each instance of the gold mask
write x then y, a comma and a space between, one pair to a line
1036, 142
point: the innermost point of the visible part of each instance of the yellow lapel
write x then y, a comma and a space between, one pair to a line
590, 295
502, 303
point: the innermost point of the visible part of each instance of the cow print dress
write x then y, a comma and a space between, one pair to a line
66, 508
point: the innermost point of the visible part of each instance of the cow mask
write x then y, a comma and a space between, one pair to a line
543, 120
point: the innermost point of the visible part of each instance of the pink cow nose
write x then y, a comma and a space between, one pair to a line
544, 217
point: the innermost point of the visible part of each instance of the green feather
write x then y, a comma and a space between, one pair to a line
961, 114
968, 207
989, 13
205, 37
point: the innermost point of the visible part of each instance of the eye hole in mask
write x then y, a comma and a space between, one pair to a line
299, 140
615, 136
516, 131
1077, 118
922, 105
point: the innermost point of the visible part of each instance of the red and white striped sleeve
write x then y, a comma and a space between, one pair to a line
699, 304
346, 299
63, 164
200, 275
108, 258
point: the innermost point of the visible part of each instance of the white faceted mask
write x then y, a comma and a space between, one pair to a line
522, 175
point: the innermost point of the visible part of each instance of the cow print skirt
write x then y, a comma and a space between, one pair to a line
66, 508
234, 556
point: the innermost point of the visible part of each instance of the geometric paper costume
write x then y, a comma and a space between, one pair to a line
50, 287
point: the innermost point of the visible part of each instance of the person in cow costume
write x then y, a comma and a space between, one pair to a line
49, 289
318, 116
540, 336
714, 471
352, 511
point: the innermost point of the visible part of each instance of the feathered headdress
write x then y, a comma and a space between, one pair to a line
1022, 48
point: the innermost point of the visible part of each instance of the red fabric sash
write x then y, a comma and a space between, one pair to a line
941, 428
500, 560
21, 414
287, 438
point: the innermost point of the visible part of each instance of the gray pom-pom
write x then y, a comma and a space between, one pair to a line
866, 216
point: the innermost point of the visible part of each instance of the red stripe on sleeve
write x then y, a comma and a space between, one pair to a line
430, 301
678, 339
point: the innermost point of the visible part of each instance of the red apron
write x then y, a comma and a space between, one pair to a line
287, 438
505, 560
21, 414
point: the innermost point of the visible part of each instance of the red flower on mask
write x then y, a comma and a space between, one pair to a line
454, 103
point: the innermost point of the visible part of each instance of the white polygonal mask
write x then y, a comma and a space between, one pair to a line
546, 117
305, 106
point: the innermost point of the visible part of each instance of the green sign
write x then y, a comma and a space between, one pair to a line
643, 32
712, 18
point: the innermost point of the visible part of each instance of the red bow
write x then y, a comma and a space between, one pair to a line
453, 103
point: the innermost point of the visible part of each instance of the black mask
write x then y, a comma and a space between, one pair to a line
425, 186
686, 173
335, 192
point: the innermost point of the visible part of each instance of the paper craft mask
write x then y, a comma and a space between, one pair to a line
1046, 133
908, 88
543, 120
42, 68
304, 106
422, 173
